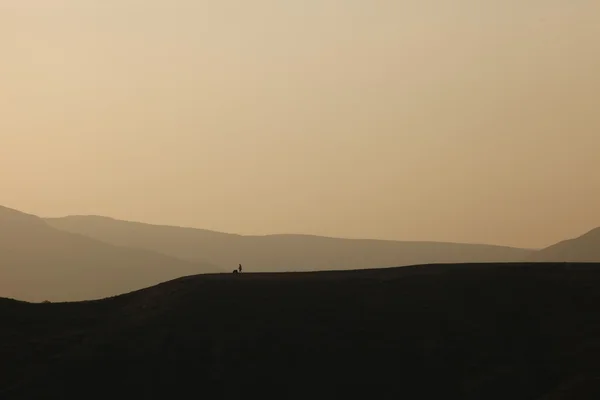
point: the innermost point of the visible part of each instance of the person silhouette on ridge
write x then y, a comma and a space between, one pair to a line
240, 268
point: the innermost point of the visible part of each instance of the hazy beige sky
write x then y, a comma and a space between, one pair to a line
463, 120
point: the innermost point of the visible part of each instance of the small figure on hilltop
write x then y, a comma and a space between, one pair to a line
238, 270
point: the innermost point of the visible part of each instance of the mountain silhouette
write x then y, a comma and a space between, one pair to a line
585, 248
39, 262
280, 253
474, 331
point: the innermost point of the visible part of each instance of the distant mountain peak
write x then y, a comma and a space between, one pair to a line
11, 216
594, 232
87, 216
584, 248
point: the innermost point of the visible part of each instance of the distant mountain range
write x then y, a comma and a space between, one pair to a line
90, 257
585, 248
39, 262
280, 253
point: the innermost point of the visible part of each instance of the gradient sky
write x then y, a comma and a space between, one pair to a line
464, 120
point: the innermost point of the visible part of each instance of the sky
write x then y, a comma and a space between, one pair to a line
462, 120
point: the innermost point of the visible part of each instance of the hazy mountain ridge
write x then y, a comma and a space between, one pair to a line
87, 257
19, 219
39, 262
281, 252
585, 248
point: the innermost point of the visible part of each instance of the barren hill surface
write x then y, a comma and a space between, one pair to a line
466, 331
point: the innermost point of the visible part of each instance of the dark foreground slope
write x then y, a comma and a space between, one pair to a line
513, 331
281, 253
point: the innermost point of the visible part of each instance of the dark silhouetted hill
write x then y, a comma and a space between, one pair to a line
494, 332
276, 253
38, 262
585, 248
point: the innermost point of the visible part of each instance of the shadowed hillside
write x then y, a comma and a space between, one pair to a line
585, 248
38, 262
275, 253
496, 331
